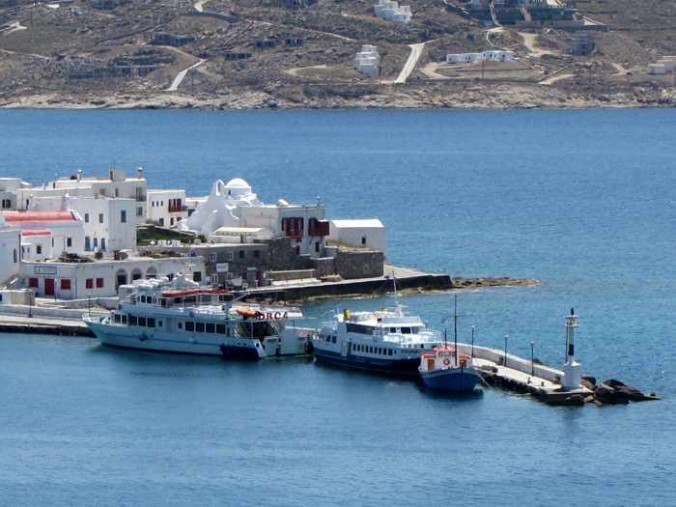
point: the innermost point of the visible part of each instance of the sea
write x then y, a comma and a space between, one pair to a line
583, 201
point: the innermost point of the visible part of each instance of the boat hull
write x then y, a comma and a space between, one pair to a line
394, 367
452, 380
289, 344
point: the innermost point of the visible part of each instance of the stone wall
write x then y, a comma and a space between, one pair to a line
359, 264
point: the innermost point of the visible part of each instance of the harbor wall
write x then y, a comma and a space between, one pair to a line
514, 362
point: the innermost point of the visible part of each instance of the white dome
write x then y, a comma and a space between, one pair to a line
238, 184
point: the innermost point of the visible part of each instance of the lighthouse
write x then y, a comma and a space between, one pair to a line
572, 371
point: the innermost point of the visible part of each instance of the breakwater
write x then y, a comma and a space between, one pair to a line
418, 282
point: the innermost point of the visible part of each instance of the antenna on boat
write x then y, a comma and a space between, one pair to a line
394, 283
455, 327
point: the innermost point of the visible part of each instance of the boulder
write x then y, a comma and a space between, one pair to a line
629, 393
609, 396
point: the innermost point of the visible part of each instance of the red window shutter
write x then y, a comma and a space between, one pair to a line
89, 283
65, 284
99, 283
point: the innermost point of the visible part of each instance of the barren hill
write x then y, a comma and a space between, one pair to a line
300, 53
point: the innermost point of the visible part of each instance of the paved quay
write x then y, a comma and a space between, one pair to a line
43, 325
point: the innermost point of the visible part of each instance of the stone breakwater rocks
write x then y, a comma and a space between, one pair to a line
493, 281
614, 392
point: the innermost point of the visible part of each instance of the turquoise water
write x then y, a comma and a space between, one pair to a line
584, 201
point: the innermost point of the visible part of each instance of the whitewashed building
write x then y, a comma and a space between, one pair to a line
664, 65
79, 280
116, 185
10, 251
493, 55
392, 11
108, 223
366, 233
66, 231
367, 60
8, 192
233, 213
166, 207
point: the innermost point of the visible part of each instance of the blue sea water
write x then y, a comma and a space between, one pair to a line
584, 201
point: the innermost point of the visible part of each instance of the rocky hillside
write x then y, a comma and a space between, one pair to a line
300, 53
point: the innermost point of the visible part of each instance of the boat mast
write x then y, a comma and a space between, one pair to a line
455, 328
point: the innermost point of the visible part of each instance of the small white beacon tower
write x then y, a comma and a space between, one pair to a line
572, 370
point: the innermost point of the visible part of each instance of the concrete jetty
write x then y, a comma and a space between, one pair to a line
43, 325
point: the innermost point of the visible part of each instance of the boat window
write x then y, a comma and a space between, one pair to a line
180, 325
189, 325
389, 352
210, 327
190, 299
124, 319
405, 330
132, 320
116, 318
220, 328
393, 330
160, 323
151, 322
199, 327
142, 321
163, 302
358, 328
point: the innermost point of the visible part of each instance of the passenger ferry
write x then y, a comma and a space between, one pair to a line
383, 341
181, 316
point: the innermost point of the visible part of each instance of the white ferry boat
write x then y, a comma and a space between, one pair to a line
383, 341
181, 316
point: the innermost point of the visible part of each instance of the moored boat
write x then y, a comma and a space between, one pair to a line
182, 317
383, 341
443, 369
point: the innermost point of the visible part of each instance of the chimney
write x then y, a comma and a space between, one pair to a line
139, 173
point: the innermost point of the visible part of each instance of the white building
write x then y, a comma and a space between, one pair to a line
493, 55
368, 233
664, 65
232, 213
367, 60
10, 251
36, 244
66, 231
108, 223
391, 11
166, 207
79, 280
115, 185
8, 191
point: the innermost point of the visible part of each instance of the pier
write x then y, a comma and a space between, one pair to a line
498, 368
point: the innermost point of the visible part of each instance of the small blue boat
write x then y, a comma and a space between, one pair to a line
443, 370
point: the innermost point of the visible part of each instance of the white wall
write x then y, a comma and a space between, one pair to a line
359, 233
103, 276
10, 253
159, 209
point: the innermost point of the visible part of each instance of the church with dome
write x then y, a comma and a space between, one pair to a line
233, 213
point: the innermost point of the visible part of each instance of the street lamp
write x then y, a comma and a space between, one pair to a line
89, 303
532, 358
505, 362
30, 303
